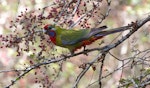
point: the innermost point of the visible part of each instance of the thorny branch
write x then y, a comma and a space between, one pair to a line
90, 14
134, 25
101, 69
144, 82
124, 65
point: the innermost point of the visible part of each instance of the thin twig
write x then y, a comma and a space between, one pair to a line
135, 25
76, 7
101, 69
85, 70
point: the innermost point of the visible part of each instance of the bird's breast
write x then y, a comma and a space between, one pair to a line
53, 39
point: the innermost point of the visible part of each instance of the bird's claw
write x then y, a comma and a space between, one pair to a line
85, 53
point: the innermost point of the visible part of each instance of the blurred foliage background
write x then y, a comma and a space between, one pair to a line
122, 13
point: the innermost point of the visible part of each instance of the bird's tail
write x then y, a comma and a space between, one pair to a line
100, 33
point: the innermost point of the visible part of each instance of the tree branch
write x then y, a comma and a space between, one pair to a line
134, 25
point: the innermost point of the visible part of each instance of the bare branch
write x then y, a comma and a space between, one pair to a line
101, 69
134, 25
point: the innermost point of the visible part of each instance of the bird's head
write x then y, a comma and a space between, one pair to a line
50, 30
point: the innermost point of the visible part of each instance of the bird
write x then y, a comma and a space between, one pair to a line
75, 39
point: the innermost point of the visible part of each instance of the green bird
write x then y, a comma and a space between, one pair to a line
75, 39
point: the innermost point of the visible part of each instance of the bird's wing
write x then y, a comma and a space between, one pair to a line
70, 37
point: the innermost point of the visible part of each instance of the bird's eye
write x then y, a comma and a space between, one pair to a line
49, 27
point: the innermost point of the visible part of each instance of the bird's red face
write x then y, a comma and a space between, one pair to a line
50, 30
49, 27
46, 27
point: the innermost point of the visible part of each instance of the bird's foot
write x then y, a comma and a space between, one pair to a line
84, 50
72, 53
86, 54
